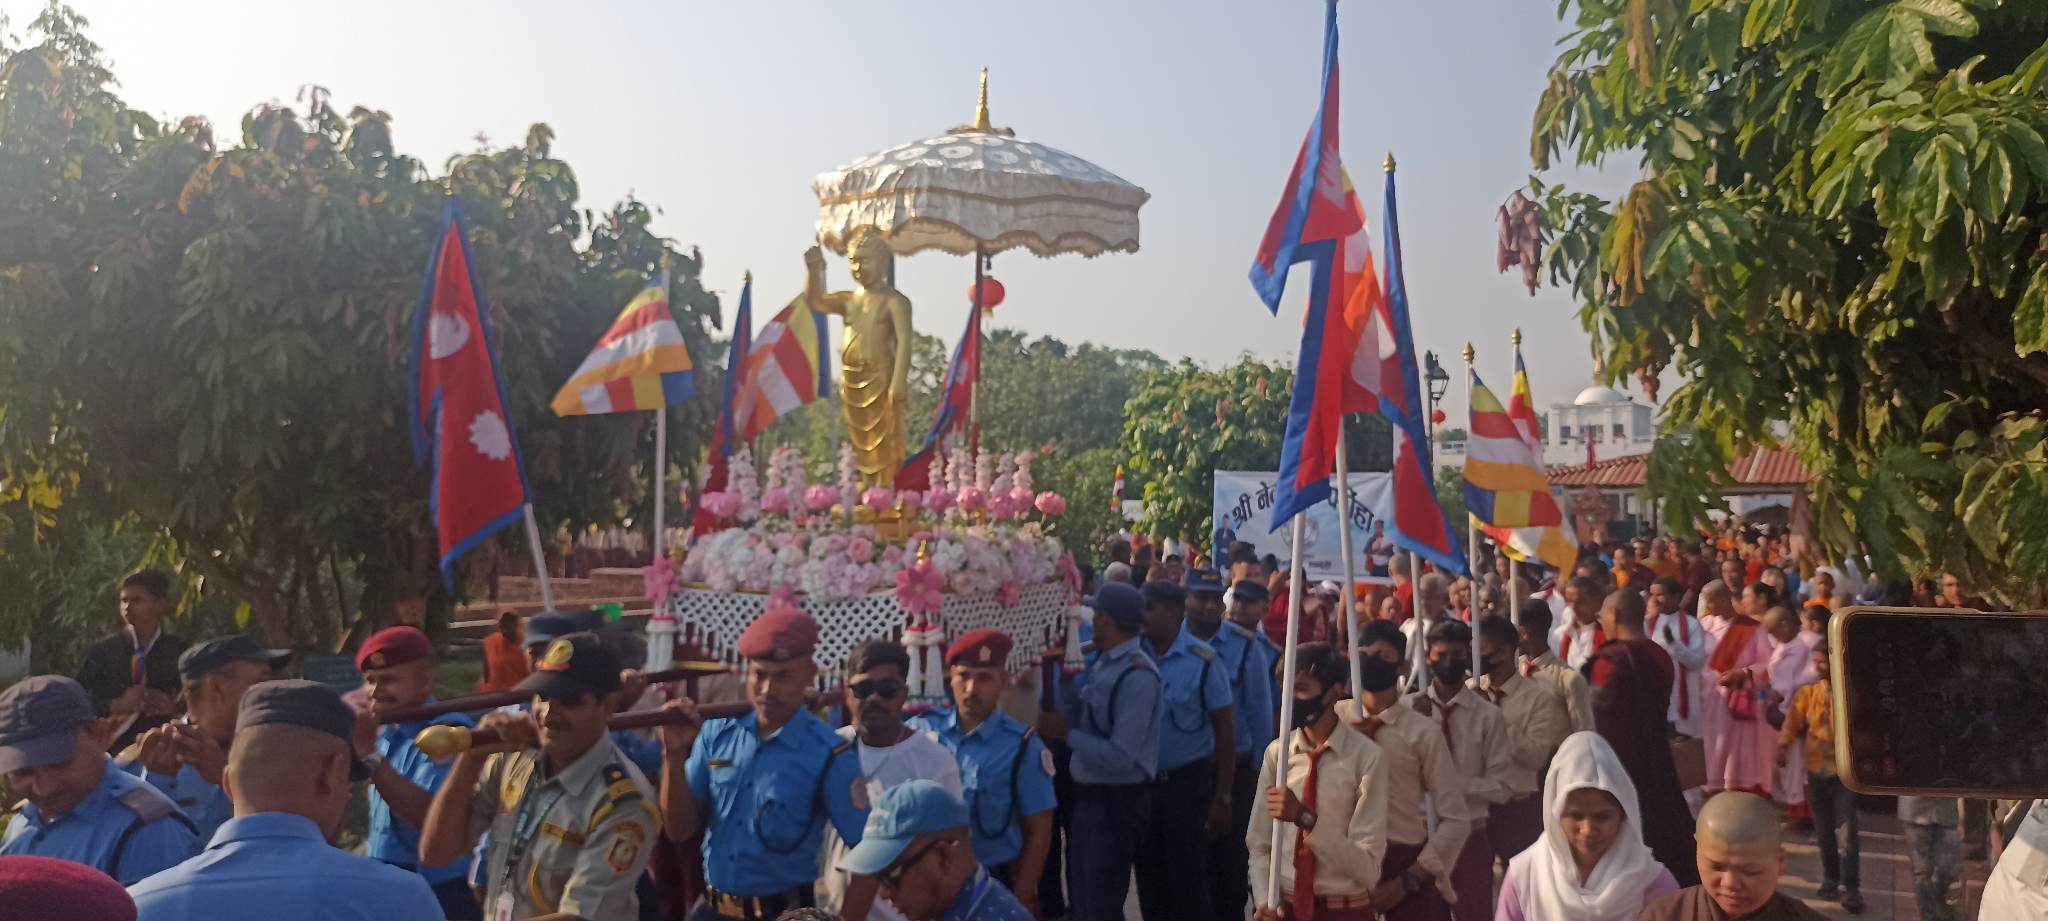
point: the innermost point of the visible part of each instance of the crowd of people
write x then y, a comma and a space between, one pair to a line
1630, 739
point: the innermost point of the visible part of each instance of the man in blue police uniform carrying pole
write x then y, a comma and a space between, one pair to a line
1005, 768
81, 806
916, 843
183, 758
1240, 656
290, 773
1197, 761
761, 786
1114, 735
398, 671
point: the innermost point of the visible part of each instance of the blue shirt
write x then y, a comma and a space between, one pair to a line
278, 865
390, 838
1194, 687
767, 804
91, 832
1114, 731
643, 751
204, 803
982, 898
1243, 660
1006, 776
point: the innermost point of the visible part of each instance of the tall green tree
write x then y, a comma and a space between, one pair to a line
209, 342
1186, 422
1837, 233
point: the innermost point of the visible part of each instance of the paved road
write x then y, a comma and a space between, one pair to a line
1887, 874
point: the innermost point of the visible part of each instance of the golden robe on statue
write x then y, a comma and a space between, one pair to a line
874, 377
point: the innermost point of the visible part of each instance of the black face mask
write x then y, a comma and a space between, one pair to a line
1449, 671
1307, 710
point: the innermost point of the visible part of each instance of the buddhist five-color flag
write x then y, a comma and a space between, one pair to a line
1504, 482
1538, 538
641, 363
788, 365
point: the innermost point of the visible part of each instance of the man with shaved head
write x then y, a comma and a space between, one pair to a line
1740, 859
1631, 677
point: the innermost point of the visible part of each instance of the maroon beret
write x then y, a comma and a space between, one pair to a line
393, 646
779, 634
983, 648
45, 887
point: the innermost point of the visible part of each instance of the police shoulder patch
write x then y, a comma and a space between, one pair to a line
1205, 651
627, 839
147, 804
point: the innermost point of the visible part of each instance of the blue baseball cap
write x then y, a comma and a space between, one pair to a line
1203, 582
549, 626
907, 810
1120, 602
40, 721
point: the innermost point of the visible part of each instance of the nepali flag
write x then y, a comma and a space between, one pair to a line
956, 400
1419, 522
721, 438
457, 403
1313, 223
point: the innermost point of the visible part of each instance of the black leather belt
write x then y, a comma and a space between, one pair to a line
756, 907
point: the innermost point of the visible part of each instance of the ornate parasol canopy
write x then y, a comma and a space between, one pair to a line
980, 187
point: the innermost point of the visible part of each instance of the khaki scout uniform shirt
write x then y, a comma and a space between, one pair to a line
587, 833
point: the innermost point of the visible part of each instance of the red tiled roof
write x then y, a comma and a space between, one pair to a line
1767, 467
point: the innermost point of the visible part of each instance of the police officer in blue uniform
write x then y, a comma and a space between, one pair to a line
1239, 656
917, 845
81, 806
1197, 763
291, 771
1005, 768
398, 671
1114, 733
183, 758
761, 786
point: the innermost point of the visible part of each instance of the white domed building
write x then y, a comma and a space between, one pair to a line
1608, 421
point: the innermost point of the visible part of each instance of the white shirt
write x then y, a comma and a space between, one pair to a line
1582, 646
1350, 837
918, 757
1685, 640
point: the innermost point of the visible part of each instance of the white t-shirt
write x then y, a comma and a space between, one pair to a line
920, 756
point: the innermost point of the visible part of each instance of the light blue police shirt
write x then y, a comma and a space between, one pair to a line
996, 759
1194, 687
93, 830
767, 802
275, 865
1114, 730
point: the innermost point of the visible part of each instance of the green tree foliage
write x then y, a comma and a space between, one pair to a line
1838, 232
209, 342
1186, 422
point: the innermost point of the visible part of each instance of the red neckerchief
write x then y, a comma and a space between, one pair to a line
1564, 648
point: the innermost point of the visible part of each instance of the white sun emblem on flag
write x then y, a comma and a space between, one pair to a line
487, 431
446, 334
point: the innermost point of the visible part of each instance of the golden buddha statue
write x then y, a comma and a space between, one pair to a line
874, 361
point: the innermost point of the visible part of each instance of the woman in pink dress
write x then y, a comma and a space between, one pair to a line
1741, 747
1591, 863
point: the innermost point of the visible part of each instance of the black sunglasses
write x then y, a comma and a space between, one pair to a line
893, 877
879, 687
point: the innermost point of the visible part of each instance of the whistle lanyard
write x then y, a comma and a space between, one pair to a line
526, 823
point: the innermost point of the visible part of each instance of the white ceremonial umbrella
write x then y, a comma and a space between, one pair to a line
980, 189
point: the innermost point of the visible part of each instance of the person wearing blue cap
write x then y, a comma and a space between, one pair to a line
1197, 762
916, 843
183, 758
81, 806
1113, 730
291, 772
1241, 656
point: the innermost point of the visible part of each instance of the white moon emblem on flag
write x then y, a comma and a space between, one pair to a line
446, 334
487, 431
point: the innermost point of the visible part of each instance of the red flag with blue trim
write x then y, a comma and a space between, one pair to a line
1316, 216
956, 401
703, 522
457, 403
1419, 522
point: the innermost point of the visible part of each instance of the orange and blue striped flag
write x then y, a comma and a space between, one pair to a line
641, 363
1541, 534
1504, 482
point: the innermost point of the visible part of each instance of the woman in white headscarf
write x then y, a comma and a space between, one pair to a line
1591, 863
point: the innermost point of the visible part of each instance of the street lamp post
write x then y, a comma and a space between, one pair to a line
1438, 381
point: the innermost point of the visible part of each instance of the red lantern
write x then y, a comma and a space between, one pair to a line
991, 292
1437, 417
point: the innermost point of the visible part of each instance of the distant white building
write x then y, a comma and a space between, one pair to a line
1612, 421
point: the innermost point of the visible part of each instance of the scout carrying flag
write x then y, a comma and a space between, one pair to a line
641, 363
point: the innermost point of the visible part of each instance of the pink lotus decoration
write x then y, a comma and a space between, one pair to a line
820, 498
1008, 593
909, 498
861, 550
782, 597
878, 498
938, 500
1052, 504
775, 500
1000, 506
720, 504
972, 499
659, 578
1022, 499
920, 589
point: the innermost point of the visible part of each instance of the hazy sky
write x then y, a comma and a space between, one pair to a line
720, 113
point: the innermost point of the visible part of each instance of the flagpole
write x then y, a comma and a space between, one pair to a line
661, 628
1350, 559
1417, 656
1471, 521
1514, 590
1286, 725
540, 561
